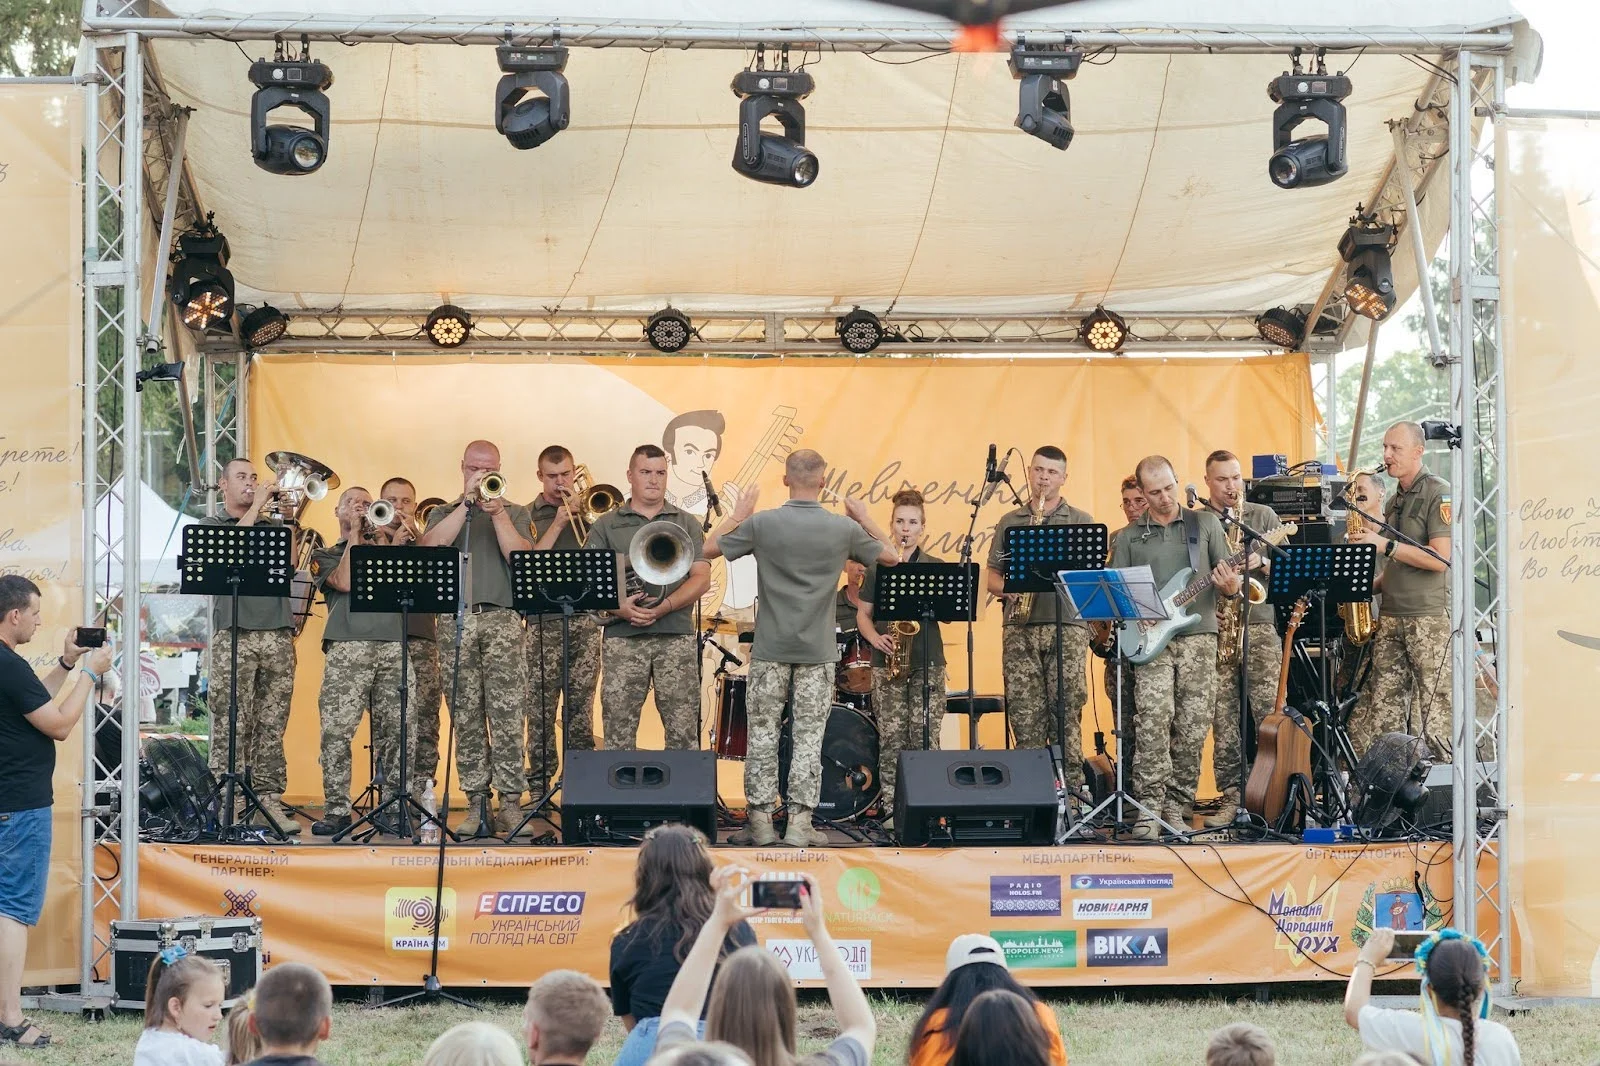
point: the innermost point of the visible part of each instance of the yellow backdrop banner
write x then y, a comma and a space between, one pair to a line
41, 459
880, 424
1550, 238
1064, 916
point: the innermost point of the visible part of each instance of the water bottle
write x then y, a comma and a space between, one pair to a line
430, 803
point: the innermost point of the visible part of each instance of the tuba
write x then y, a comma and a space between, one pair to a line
1357, 617
902, 634
587, 502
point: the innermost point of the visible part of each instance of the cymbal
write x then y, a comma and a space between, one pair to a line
718, 624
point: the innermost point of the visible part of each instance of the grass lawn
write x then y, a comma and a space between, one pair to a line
1101, 1029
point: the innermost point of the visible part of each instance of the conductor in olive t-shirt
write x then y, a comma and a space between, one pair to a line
800, 549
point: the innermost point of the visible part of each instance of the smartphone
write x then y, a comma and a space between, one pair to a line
90, 637
775, 895
1406, 942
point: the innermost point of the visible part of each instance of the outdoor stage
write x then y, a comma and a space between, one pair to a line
1075, 915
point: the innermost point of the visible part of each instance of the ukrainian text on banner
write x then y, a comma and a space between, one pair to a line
880, 425
1550, 244
41, 496
1074, 915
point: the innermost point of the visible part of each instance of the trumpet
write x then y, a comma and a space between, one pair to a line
492, 486
382, 515
586, 502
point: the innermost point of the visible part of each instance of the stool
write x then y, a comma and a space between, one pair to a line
956, 703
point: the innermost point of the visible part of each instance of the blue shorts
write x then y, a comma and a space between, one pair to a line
24, 863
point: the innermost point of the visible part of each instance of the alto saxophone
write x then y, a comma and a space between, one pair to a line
1358, 625
1230, 613
1022, 607
902, 634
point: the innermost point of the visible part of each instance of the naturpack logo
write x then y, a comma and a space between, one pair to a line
859, 889
1022, 897
408, 916
1127, 947
1053, 949
1112, 910
800, 957
1120, 882
1304, 929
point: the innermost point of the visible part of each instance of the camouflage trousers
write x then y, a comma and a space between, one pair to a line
768, 691
1175, 693
1028, 659
487, 714
1129, 709
1409, 656
1266, 654
266, 683
898, 706
360, 675
424, 709
544, 692
635, 665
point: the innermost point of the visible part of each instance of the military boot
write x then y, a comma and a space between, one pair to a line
278, 816
1174, 816
757, 831
1224, 816
800, 834
477, 823
510, 814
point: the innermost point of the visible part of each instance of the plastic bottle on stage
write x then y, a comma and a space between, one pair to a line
430, 803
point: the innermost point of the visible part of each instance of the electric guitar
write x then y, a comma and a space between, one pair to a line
778, 441
1141, 641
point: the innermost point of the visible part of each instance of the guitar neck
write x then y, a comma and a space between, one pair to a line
1203, 582
764, 450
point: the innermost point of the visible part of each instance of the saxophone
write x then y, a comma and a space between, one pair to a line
1230, 613
902, 633
1358, 626
1022, 607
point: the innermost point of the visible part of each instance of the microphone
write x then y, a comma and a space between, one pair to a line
994, 480
988, 466
1194, 496
712, 503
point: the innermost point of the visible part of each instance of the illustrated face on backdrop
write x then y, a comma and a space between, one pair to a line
694, 451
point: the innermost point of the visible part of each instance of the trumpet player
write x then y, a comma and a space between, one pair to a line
1028, 648
650, 639
487, 714
362, 672
266, 659
899, 661
1225, 488
422, 641
551, 517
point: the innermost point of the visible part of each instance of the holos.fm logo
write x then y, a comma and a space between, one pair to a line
408, 917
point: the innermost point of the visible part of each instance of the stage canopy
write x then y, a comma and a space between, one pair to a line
928, 199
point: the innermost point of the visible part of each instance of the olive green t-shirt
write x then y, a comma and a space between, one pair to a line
615, 530
1262, 519
489, 576
540, 514
844, 612
1044, 603
800, 548
343, 623
1421, 513
935, 639
1165, 550
255, 612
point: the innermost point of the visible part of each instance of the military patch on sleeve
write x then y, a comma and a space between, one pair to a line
1444, 510
316, 566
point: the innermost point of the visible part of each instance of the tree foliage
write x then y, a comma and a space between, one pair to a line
38, 38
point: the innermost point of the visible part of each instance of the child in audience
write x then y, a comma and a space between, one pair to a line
1001, 1028
182, 1006
1241, 1044
474, 1044
293, 1013
973, 965
243, 1045
563, 1018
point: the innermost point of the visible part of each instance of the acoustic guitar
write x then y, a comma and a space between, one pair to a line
1283, 749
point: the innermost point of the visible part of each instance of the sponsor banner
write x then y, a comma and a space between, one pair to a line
1024, 896
1126, 947
800, 958
1119, 882
1046, 949
1112, 910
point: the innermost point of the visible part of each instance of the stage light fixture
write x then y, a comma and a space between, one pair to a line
448, 326
1103, 331
668, 330
859, 331
1369, 278
158, 372
262, 326
289, 82
1315, 160
525, 117
763, 94
1044, 107
201, 284
1281, 327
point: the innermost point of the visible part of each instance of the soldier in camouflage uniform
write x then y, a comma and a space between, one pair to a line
422, 648
548, 518
800, 548
362, 671
1175, 690
1411, 648
487, 715
650, 642
1028, 649
897, 703
266, 662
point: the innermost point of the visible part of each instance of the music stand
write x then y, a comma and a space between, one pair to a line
236, 561
405, 580
926, 593
1117, 596
568, 581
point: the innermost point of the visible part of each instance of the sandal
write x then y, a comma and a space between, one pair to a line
26, 1035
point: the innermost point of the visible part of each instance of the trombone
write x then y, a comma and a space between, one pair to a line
585, 502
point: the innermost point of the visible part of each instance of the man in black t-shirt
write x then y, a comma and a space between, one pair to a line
33, 715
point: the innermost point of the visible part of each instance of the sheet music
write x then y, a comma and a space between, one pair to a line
1104, 594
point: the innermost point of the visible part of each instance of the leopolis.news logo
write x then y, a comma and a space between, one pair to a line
1045, 949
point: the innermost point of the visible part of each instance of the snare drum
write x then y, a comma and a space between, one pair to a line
730, 739
854, 674
849, 764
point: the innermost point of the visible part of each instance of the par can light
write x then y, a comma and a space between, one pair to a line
448, 326
668, 330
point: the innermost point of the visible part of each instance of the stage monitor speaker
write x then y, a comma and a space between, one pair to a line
950, 798
1438, 807
614, 797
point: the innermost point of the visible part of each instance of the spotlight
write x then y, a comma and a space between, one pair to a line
1314, 160
1044, 108
448, 326
859, 331
158, 372
1281, 327
1103, 331
668, 331
763, 94
262, 326
1437, 429
297, 83
1369, 280
201, 284
528, 120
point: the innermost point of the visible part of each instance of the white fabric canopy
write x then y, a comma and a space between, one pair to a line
928, 197
160, 535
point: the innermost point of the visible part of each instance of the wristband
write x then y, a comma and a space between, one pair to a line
1388, 550
1369, 962
61, 660
90, 674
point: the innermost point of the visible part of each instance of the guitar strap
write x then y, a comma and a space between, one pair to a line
1191, 535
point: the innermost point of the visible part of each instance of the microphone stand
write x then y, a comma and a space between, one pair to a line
1395, 534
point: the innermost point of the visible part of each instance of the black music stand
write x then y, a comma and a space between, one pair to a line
1034, 556
403, 580
1336, 573
236, 561
926, 593
568, 581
